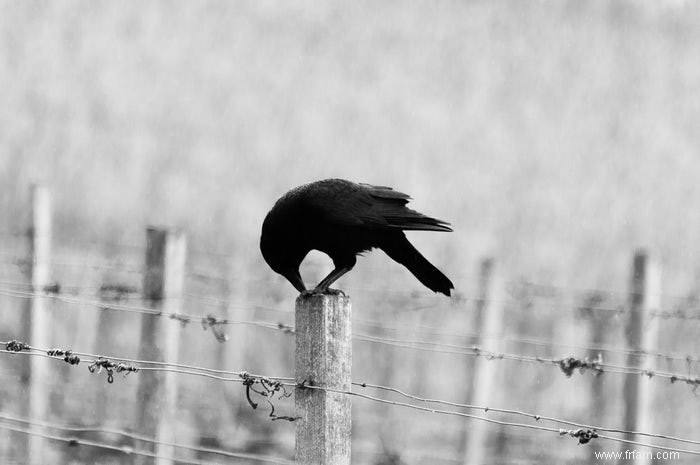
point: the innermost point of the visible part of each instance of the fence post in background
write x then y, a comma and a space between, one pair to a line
160, 338
38, 323
599, 324
489, 323
642, 338
323, 358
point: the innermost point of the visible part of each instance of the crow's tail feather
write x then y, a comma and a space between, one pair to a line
399, 249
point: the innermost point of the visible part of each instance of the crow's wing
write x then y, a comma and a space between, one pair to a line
390, 205
368, 206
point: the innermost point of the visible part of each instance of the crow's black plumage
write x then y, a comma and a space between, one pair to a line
342, 219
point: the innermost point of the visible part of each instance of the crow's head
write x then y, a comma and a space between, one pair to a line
282, 252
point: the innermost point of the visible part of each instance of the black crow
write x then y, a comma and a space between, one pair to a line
343, 219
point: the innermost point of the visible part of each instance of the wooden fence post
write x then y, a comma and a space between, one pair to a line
160, 338
489, 322
323, 358
39, 321
642, 337
599, 324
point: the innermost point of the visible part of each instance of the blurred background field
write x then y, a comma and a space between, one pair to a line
556, 137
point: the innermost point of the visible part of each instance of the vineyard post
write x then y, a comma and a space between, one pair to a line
489, 321
323, 358
642, 338
599, 325
160, 337
39, 321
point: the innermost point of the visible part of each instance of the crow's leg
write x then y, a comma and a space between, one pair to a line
331, 278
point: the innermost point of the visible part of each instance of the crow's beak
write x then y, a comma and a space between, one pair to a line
295, 278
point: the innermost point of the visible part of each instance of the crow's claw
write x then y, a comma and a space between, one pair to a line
327, 291
334, 292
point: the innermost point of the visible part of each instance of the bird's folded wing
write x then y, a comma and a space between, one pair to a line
377, 207
390, 206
